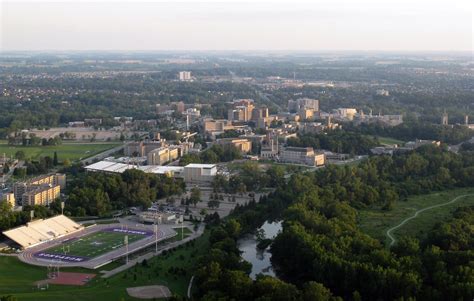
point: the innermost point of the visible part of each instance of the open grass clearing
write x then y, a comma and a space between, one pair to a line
70, 151
376, 222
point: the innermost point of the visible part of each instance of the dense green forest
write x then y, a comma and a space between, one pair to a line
322, 255
339, 141
214, 154
97, 193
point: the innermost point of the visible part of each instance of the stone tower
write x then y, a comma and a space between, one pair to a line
444, 118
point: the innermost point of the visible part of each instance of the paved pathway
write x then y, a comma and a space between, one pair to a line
190, 286
389, 231
104, 154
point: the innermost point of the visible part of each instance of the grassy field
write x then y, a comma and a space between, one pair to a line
94, 244
376, 222
387, 140
390, 141
71, 151
182, 234
17, 278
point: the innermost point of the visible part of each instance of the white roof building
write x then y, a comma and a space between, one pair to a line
191, 173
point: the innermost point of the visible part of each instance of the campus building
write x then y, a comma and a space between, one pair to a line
41, 195
302, 155
9, 198
303, 103
162, 155
243, 145
197, 173
242, 110
141, 148
44, 181
191, 173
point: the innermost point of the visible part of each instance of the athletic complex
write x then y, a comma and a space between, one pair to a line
61, 242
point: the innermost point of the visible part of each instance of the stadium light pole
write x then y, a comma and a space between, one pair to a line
156, 238
126, 247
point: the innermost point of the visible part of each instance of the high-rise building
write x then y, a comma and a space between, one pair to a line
20, 188
303, 103
192, 115
41, 195
184, 75
178, 106
241, 110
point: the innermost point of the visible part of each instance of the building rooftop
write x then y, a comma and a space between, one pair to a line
299, 149
157, 169
198, 165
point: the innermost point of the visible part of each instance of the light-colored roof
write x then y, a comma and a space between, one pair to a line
114, 167
109, 166
156, 169
198, 165
39, 231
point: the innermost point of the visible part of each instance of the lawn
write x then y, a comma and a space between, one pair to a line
17, 278
94, 244
390, 141
182, 233
70, 151
387, 140
376, 222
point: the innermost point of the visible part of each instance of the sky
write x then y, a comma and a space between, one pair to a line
318, 25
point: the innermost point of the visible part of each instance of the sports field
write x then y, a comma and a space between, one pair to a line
94, 244
17, 278
72, 151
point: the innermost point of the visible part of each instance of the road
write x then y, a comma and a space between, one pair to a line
389, 231
455, 148
103, 155
4, 179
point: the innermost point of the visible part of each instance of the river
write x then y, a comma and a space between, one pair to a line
259, 259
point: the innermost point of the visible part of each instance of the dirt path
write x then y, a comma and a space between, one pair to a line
389, 231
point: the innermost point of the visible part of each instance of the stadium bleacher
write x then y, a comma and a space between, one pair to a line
39, 231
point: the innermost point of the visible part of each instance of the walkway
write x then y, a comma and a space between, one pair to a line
389, 231
190, 286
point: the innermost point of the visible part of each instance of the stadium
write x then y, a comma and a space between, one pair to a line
61, 242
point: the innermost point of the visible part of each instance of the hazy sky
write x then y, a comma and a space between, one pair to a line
240, 25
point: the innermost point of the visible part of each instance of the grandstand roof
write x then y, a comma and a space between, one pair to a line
40, 231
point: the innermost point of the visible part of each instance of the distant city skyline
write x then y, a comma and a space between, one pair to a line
340, 25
